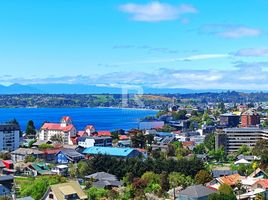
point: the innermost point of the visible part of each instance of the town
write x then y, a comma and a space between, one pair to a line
216, 151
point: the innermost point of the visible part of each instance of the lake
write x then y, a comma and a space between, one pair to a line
101, 118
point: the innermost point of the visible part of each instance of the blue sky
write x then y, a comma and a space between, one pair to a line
171, 43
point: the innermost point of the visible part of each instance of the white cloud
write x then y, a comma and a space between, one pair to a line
239, 32
156, 11
230, 31
254, 52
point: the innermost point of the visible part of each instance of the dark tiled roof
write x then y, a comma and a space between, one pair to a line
6, 178
196, 191
71, 153
102, 176
105, 183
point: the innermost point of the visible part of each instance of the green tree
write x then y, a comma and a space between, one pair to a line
259, 197
179, 115
45, 146
96, 193
226, 189
209, 141
261, 150
164, 183
30, 128
177, 179
151, 178
202, 177
199, 149
29, 158
244, 149
57, 138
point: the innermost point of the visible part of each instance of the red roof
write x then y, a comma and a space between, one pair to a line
81, 133
104, 133
187, 143
74, 140
123, 137
58, 127
263, 183
51, 151
89, 127
66, 118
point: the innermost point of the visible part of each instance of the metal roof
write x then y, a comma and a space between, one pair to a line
197, 191
112, 151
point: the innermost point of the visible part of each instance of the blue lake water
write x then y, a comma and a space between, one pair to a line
101, 118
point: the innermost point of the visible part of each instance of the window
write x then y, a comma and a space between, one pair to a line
51, 196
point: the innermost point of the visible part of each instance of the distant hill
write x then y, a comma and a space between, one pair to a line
92, 89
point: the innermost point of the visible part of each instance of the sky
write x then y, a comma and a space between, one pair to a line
192, 44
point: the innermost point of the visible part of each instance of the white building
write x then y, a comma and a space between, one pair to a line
87, 142
65, 129
9, 137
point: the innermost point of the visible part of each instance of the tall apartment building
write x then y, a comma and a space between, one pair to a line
231, 139
250, 118
9, 137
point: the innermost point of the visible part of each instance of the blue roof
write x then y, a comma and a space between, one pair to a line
112, 151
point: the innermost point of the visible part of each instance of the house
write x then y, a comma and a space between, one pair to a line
258, 173
104, 180
20, 154
249, 158
188, 145
124, 143
103, 133
68, 156
90, 129
6, 184
195, 192
64, 129
225, 172
63, 191
242, 162
86, 142
230, 180
9, 137
38, 168
60, 170
50, 154
112, 151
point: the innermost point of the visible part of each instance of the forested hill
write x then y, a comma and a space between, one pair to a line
115, 100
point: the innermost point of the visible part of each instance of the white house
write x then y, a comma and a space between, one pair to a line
86, 142
65, 128
9, 137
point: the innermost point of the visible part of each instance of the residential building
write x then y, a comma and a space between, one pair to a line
86, 142
104, 180
64, 129
9, 137
63, 191
112, 151
229, 120
250, 118
68, 156
20, 154
231, 139
60, 170
195, 192
6, 184
90, 129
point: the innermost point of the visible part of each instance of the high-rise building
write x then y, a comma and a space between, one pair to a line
9, 137
231, 139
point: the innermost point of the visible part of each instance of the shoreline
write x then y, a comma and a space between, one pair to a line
80, 108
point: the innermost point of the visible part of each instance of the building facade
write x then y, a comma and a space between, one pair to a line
9, 137
229, 120
231, 139
65, 129
250, 118
95, 141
